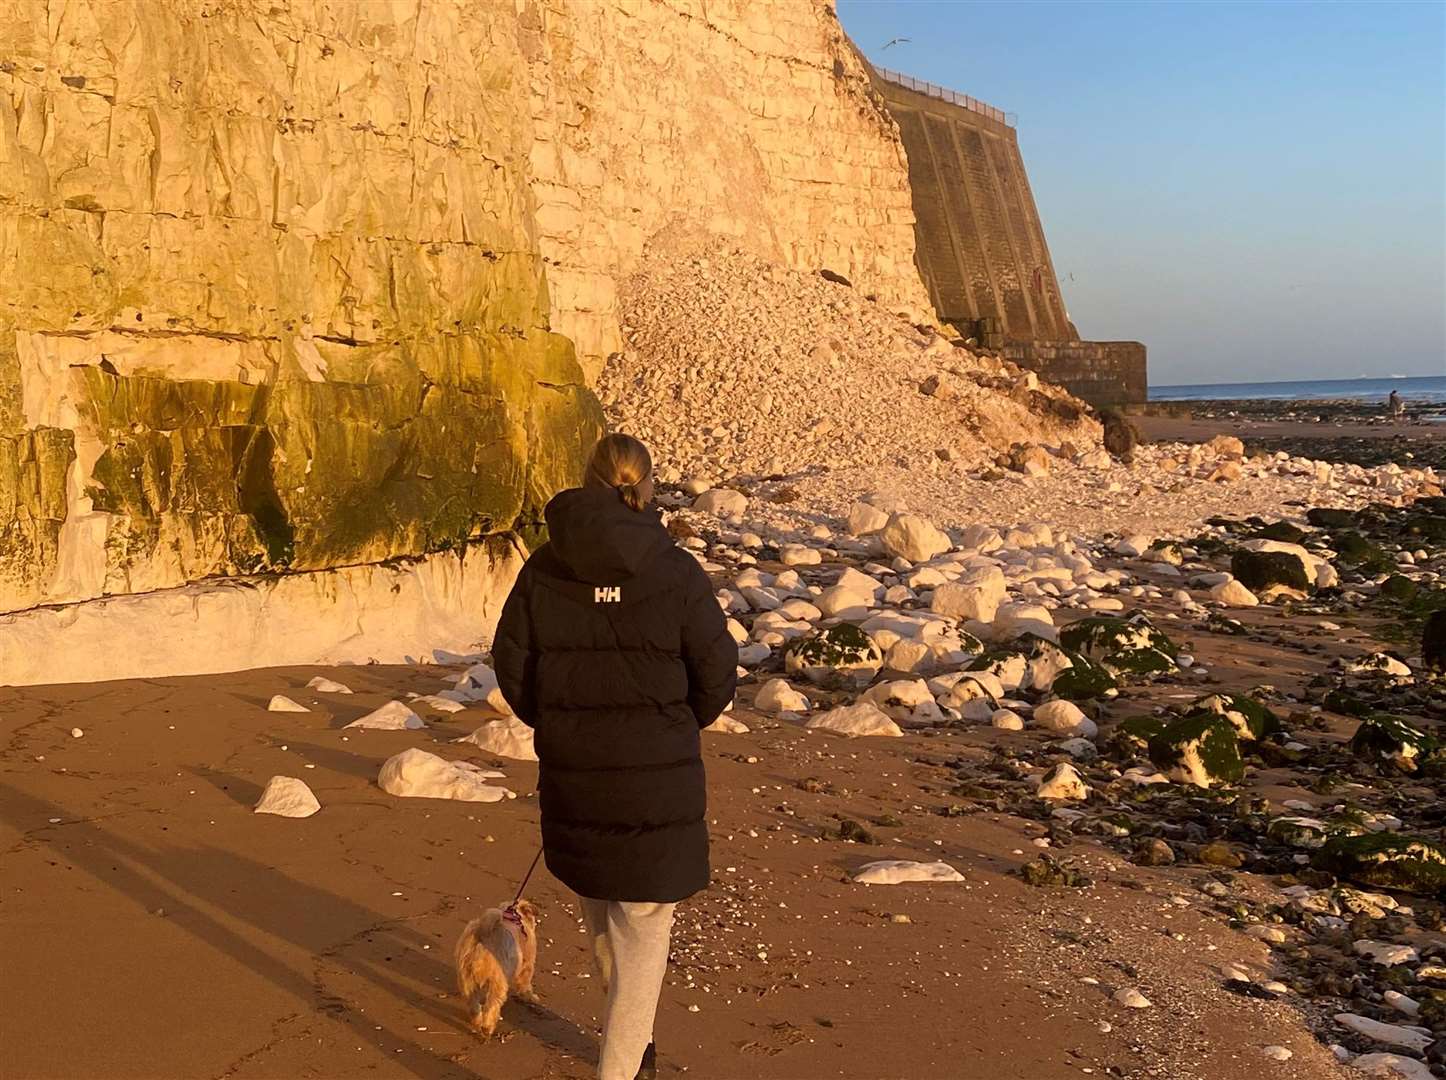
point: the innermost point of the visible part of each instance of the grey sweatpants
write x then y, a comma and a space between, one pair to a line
630, 950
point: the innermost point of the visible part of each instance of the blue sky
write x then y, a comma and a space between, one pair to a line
1257, 191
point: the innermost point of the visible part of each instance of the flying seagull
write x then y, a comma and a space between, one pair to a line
896, 41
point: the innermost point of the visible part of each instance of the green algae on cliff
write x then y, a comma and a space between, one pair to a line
33, 469
306, 475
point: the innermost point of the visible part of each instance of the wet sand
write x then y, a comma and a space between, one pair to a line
153, 926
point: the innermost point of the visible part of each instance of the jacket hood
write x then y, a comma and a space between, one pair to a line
599, 538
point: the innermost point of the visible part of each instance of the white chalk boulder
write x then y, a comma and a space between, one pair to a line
726, 725
440, 703
322, 685
777, 696
1392, 1067
909, 536
861, 718
416, 774
286, 796
976, 595
1232, 593
1411, 1037
479, 683
1063, 782
1007, 720
282, 703
865, 520
899, 871
393, 716
722, 502
1064, 718
508, 737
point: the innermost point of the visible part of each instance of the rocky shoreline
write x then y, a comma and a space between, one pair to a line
1329, 789
1155, 798
1341, 432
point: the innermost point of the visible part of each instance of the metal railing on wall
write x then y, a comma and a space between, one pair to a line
943, 93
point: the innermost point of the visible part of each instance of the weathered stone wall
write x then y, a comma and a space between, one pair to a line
1100, 372
658, 120
271, 292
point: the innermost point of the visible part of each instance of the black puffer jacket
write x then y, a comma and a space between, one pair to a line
613, 648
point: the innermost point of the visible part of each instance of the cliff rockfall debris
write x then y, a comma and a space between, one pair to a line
733, 365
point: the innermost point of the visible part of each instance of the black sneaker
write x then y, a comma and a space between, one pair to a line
648, 1070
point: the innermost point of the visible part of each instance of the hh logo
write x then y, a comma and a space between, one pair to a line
607, 594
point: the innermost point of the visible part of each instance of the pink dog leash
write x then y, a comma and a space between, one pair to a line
510, 913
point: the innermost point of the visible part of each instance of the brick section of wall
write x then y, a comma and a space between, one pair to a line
979, 242
1100, 372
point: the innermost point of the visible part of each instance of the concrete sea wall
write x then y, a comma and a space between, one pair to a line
1100, 372
981, 247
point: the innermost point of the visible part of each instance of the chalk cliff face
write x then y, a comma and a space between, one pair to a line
271, 291
288, 287
659, 120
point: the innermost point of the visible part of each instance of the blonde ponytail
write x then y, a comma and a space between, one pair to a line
622, 463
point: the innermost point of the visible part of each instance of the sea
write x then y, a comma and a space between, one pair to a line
1412, 388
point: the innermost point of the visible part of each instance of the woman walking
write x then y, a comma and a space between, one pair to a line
613, 648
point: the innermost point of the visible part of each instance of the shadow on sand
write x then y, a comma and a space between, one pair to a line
189, 882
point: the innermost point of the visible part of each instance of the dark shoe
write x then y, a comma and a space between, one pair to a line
648, 1070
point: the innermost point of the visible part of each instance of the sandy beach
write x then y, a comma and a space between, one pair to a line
154, 926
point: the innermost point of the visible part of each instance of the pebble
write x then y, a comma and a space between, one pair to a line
1131, 998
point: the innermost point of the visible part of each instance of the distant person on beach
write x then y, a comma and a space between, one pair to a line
613, 648
1397, 406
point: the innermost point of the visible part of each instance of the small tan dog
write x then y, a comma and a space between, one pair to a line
497, 953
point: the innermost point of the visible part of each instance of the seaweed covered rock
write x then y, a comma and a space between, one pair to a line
1132, 735
1386, 860
1120, 435
1009, 667
1046, 662
1200, 749
1392, 740
1295, 831
1165, 551
841, 654
1326, 517
1377, 665
976, 697
1398, 587
1064, 783
1353, 549
1433, 641
1263, 571
1283, 531
1126, 648
1251, 719
1083, 679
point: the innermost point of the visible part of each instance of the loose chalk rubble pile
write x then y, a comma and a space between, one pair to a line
807, 393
